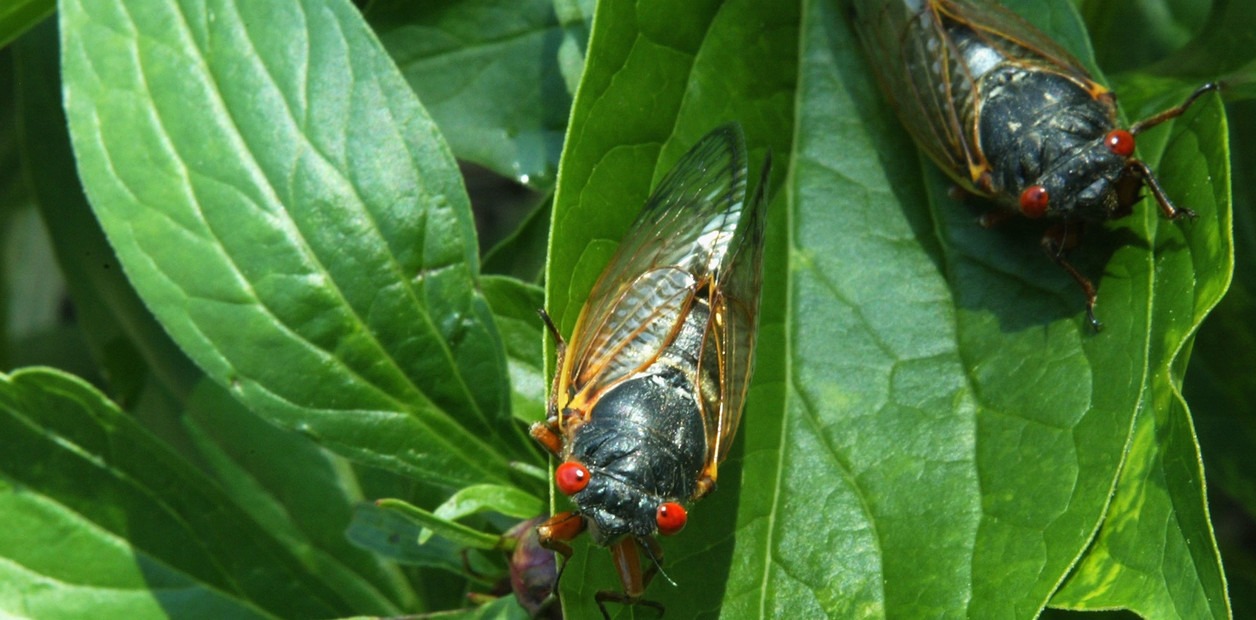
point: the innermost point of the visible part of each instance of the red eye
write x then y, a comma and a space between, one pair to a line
671, 518
1033, 201
1120, 142
571, 477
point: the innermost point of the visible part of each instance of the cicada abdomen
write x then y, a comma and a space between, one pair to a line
1011, 116
650, 387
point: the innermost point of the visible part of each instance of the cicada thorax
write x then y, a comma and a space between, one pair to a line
1037, 131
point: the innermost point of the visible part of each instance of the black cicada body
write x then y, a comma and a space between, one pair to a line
649, 389
1010, 115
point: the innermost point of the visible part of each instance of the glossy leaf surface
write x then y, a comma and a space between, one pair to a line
933, 429
300, 229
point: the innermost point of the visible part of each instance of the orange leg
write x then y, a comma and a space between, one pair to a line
994, 218
628, 565
554, 533
546, 433
1140, 170
706, 482
549, 432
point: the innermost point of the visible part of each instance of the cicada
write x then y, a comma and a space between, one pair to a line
649, 389
1011, 116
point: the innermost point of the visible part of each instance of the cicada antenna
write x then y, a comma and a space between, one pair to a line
658, 563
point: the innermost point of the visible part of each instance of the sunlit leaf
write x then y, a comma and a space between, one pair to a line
284, 206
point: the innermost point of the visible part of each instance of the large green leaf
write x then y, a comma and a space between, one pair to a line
286, 209
1160, 26
488, 71
299, 491
1221, 387
102, 520
933, 429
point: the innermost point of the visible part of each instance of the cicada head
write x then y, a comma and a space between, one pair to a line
1083, 184
636, 459
614, 508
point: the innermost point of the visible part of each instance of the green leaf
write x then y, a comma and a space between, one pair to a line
508, 501
480, 498
101, 519
301, 494
1222, 41
489, 73
504, 608
18, 16
391, 535
515, 306
522, 253
34, 286
1155, 553
457, 533
287, 210
576, 16
1129, 35
1220, 386
933, 430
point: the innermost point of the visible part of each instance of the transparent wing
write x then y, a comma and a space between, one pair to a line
730, 339
913, 61
678, 242
1010, 32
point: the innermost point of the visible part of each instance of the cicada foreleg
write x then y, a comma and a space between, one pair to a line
556, 531
548, 435
628, 566
1143, 173
1055, 242
549, 432
1174, 112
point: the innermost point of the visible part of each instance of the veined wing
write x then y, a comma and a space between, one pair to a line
678, 242
915, 65
1007, 31
731, 336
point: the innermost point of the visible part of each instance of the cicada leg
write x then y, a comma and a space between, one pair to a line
1144, 174
655, 551
706, 482
1060, 239
549, 432
556, 531
1174, 112
628, 565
